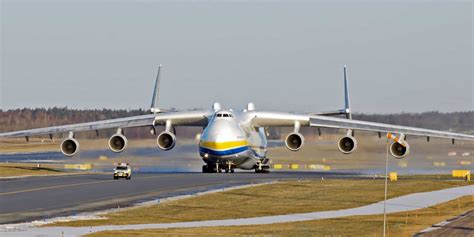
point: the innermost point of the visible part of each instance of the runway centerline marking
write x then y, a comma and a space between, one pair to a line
72, 185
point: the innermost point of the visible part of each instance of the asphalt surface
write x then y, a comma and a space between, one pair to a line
461, 226
36, 198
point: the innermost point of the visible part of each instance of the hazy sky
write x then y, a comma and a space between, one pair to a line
282, 55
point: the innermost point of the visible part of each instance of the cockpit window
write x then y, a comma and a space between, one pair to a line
225, 115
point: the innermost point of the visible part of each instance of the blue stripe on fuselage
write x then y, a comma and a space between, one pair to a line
224, 152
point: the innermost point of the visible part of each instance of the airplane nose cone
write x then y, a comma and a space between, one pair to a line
223, 138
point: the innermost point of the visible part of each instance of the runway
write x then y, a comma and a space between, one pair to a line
37, 198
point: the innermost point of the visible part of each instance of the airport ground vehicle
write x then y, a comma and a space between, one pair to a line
123, 170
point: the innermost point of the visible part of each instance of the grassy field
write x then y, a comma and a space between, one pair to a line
19, 145
273, 199
15, 169
371, 153
399, 224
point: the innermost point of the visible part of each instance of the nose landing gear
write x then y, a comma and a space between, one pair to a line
211, 169
229, 168
216, 168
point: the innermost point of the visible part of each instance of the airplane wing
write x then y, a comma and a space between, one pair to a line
278, 119
185, 118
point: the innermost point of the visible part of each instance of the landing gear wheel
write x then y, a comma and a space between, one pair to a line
210, 169
262, 171
129, 177
232, 170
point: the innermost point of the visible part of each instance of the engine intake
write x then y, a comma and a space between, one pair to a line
347, 144
399, 151
118, 143
69, 147
294, 141
166, 141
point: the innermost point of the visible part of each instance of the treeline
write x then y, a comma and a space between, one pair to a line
20, 119
455, 121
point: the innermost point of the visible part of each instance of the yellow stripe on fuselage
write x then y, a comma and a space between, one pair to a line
223, 145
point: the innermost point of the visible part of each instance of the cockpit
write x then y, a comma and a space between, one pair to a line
224, 115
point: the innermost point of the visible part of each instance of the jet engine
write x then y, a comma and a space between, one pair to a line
166, 140
347, 144
69, 147
399, 151
294, 141
118, 142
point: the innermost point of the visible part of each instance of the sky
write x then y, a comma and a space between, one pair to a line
281, 55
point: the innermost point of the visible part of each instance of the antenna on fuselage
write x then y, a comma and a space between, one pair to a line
154, 100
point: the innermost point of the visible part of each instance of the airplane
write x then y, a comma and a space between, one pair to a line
236, 138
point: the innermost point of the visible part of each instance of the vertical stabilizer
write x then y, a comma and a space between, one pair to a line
154, 100
347, 104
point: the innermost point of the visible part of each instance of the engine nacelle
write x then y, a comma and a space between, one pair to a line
166, 140
294, 141
399, 151
69, 147
118, 142
347, 144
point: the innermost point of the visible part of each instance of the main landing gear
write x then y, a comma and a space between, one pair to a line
262, 168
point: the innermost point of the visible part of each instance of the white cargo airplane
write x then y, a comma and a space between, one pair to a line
236, 138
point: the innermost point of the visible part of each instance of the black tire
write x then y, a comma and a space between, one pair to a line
115, 177
129, 177
232, 170
205, 169
262, 171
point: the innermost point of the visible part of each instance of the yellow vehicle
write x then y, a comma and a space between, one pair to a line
123, 170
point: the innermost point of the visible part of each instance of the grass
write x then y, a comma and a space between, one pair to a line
273, 199
18, 145
399, 224
21, 146
371, 152
14, 169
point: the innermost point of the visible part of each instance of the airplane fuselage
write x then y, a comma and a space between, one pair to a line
230, 140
